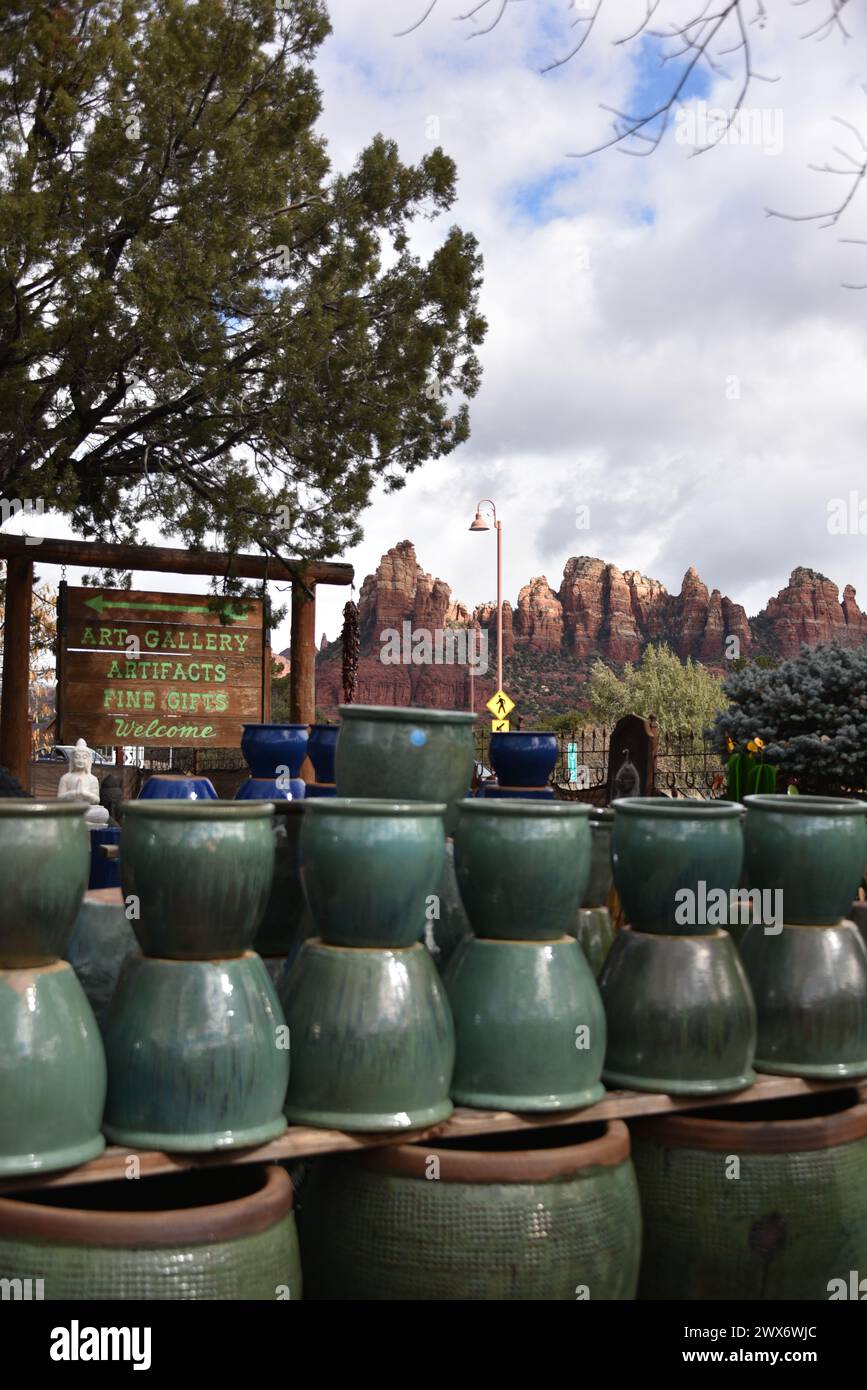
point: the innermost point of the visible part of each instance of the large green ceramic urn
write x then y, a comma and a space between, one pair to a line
224, 1234
763, 1202
543, 1215
522, 866
44, 867
809, 850
676, 862
399, 754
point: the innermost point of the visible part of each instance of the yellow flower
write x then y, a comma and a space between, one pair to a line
759, 742
729, 745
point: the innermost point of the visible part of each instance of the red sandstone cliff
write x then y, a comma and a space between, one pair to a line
598, 611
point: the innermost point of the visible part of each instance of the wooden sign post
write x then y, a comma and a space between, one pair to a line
156, 669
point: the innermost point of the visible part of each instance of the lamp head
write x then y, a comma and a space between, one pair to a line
479, 523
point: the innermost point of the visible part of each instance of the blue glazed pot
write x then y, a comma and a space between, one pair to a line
523, 759
271, 789
493, 792
163, 787
104, 873
321, 747
268, 747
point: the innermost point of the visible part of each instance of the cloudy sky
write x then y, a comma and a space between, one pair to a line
660, 351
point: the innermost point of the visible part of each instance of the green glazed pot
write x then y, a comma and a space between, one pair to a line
201, 871
791, 1223
529, 1026
660, 848
522, 866
198, 1055
52, 1072
551, 1214
371, 868
447, 925
280, 931
213, 1234
810, 988
405, 754
601, 874
595, 935
811, 848
44, 868
681, 1018
101, 943
372, 1038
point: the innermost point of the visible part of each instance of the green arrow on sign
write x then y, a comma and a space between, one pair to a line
99, 604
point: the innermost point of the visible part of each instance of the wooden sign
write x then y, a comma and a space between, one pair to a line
161, 670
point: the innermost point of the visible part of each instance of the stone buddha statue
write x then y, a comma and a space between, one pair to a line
79, 784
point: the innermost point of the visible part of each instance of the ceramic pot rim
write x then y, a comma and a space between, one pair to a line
757, 1136
683, 808
404, 714
22, 806
204, 1225
510, 1165
335, 727
817, 805
523, 733
375, 806
602, 816
271, 727
170, 809
493, 807
316, 943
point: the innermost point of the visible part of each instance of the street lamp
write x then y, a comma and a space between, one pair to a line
479, 524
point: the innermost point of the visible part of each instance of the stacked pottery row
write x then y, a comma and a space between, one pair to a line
681, 1017
806, 963
52, 1064
197, 1048
529, 1024
372, 1036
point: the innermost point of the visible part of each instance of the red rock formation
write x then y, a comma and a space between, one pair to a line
809, 610
599, 611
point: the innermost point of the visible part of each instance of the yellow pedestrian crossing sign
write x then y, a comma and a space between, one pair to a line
501, 706
499, 726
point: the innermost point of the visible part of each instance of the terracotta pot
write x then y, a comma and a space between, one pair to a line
522, 866
372, 1038
405, 754
201, 872
371, 868
661, 849
523, 758
223, 1233
529, 1026
550, 1214
44, 868
811, 849
681, 1018
810, 988
788, 1222
52, 1071
195, 1058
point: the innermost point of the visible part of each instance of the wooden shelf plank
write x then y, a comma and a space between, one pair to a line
299, 1141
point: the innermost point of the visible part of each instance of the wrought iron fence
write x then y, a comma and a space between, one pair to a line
685, 765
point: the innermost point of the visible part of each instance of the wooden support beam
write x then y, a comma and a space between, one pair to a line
302, 660
15, 742
163, 560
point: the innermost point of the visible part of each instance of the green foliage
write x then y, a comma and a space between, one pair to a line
200, 323
280, 693
810, 713
684, 696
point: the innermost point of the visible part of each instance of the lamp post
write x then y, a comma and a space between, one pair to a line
479, 524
